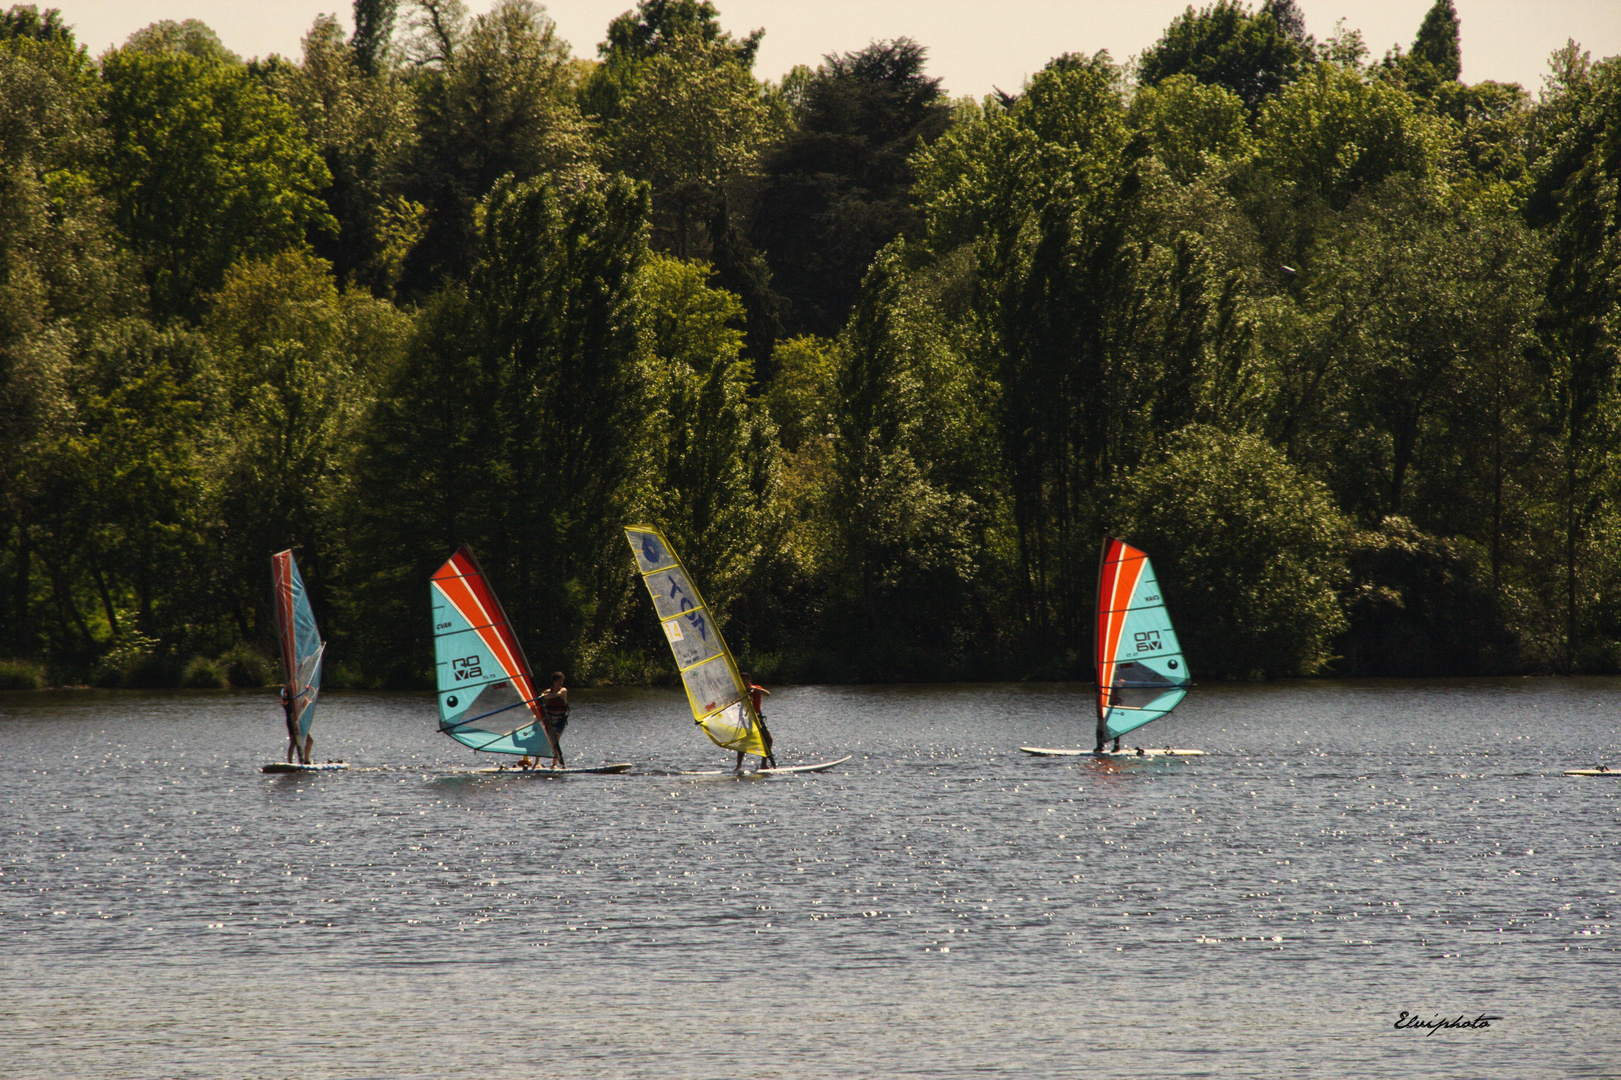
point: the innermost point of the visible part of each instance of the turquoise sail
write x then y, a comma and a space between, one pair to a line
1141, 672
301, 644
487, 694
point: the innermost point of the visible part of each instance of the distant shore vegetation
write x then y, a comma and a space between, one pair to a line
1333, 336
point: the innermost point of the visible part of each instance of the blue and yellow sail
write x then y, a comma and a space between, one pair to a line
715, 691
1141, 672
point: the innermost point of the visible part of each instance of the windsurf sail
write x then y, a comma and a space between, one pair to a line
1141, 673
720, 702
301, 644
487, 694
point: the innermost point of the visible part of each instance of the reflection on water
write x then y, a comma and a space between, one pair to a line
941, 905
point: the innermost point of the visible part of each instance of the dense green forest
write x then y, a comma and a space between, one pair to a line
1333, 337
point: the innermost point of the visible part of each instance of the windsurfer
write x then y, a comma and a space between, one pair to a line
756, 694
291, 714
554, 704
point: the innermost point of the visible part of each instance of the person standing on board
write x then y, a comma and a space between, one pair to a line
292, 727
755, 695
554, 704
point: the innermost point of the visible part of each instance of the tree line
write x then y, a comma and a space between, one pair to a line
1334, 338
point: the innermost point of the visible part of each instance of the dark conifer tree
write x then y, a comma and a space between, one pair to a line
1290, 19
639, 34
1253, 55
741, 269
1437, 41
374, 29
840, 187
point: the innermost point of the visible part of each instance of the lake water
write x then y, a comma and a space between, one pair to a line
941, 905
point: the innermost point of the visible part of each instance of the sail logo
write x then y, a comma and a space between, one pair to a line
1148, 641
467, 667
686, 605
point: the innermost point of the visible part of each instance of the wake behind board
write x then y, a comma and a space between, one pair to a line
1602, 770
294, 767
511, 770
1163, 751
778, 771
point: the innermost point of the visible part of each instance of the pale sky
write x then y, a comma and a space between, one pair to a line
972, 46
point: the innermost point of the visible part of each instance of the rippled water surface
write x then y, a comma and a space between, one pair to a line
941, 905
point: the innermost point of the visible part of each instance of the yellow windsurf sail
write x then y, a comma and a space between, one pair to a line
720, 702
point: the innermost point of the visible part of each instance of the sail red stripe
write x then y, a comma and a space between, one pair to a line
483, 614
465, 600
1118, 584
281, 568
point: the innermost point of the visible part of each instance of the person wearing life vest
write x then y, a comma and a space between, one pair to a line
756, 693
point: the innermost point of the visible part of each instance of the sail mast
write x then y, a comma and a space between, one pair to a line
1097, 649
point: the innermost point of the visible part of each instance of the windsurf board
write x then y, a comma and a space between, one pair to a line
779, 770
1162, 751
512, 770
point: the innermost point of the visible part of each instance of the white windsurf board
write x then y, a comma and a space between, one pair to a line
512, 770
1161, 751
779, 770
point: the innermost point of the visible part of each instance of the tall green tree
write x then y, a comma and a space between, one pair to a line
374, 34
62, 276
1437, 43
1252, 54
517, 423
839, 187
1249, 553
921, 563
1579, 345
693, 121
297, 364
493, 98
715, 463
1114, 311
1406, 297
359, 113
118, 521
206, 168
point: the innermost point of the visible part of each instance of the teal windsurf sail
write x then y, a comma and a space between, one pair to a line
301, 644
1141, 672
487, 694
715, 691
